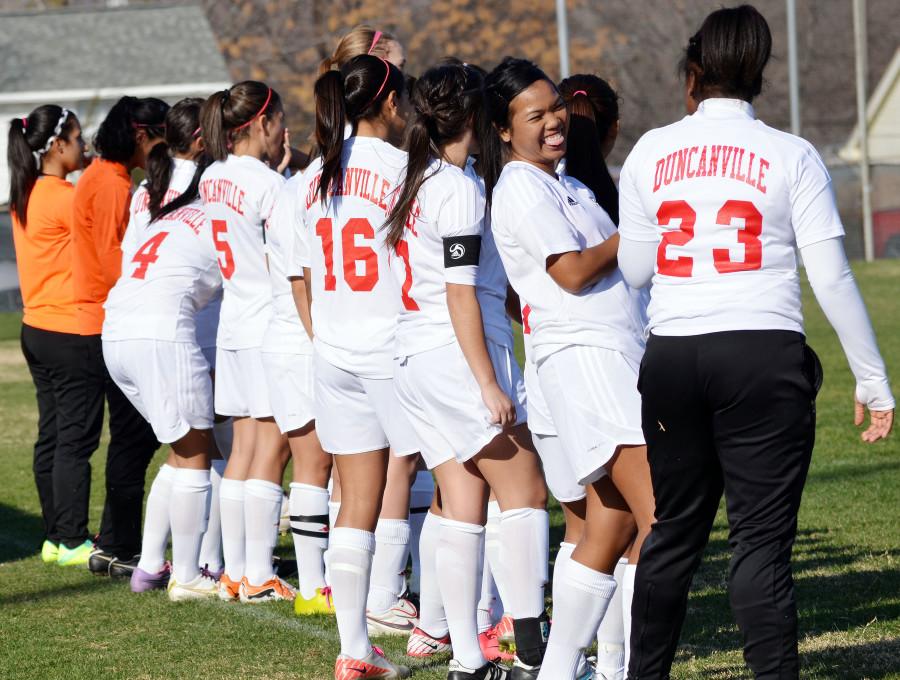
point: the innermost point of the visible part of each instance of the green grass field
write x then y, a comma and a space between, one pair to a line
65, 623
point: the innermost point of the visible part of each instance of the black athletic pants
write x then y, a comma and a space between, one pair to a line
730, 411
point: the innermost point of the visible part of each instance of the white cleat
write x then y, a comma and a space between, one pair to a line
200, 588
398, 620
422, 645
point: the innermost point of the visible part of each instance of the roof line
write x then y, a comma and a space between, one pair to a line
158, 90
102, 8
878, 98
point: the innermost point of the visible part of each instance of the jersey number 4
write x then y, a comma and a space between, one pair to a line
683, 265
353, 253
147, 254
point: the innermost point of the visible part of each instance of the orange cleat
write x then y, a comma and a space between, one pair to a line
375, 665
275, 589
228, 590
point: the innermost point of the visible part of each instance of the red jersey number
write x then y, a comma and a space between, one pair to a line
147, 254
683, 265
403, 253
219, 229
352, 252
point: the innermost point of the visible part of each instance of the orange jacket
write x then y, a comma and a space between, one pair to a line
102, 198
44, 256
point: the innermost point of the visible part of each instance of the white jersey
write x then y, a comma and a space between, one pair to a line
285, 334
171, 275
728, 199
238, 195
535, 215
355, 298
440, 246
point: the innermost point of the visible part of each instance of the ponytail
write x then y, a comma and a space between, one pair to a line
331, 120
421, 151
212, 120
159, 174
190, 194
115, 139
182, 129
226, 115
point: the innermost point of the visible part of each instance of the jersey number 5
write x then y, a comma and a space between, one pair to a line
219, 229
147, 254
683, 265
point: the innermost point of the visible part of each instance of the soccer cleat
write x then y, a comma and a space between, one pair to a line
522, 671
75, 557
421, 645
142, 581
119, 568
320, 603
228, 590
375, 665
98, 563
214, 574
490, 671
506, 636
49, 552
490, 646
398, 620
275, 589
200, 588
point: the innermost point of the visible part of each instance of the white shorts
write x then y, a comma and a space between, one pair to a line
539, 419
443, 401
355, 414
290, 381
241, 388
167, 382
593, 398
561, 478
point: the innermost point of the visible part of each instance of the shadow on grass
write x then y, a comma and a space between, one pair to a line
834, 595
20, 533
844, 473
60, 591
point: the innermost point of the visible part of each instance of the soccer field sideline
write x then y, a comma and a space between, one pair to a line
58, 623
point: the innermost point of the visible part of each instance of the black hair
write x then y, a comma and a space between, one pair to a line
729, 53
115, 139
28, 140
227, 114
446, 99
593, 110
356, 92
511, 77
182, 128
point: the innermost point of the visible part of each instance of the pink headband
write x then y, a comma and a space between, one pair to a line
375, 40
578, 92
387, 74
258, 113
25, 123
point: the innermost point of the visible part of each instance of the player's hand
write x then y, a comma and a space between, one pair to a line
503, 411
880, 422
286, 157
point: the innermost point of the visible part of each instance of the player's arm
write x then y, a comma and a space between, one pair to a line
576, 270
465, 315
637, 261
513, 305
302, 301
640, 237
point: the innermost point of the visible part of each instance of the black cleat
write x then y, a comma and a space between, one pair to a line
99, 561
522, 671
119, 568
490, 671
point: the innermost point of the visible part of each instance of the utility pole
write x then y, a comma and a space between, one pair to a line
793, 72
861, 44
562, 32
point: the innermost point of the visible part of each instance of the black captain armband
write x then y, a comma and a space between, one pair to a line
461, 251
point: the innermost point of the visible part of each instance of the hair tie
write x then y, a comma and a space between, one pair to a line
137, 126
196, 133
24, 124
258, 113
375, 40
387, 74
578, 92
57, 131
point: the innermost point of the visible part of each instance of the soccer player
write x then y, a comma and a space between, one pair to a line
712, 210
456, 375
243, 129
151, 351
43, 148
288, 363
587, 326
365, 40
100, 215
354, 309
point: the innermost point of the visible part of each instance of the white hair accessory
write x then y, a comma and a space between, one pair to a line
57, 131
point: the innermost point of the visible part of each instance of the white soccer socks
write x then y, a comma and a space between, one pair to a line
580, 598
309, 527
211, 545
231, 505
262, 515
420, 496
431, 608
489, 607
611, 633
156, 521
349, 557
189, 510
492, 551
388, 579
459, 554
